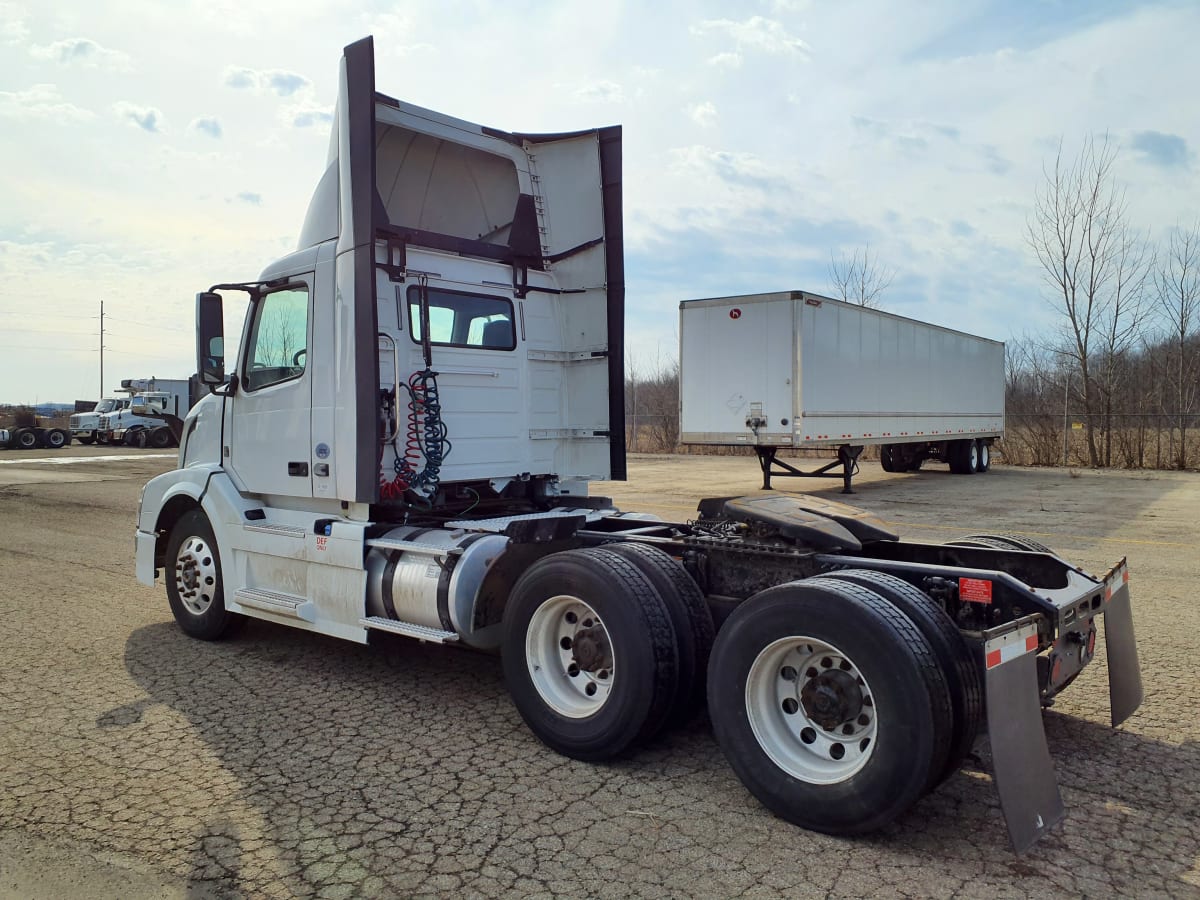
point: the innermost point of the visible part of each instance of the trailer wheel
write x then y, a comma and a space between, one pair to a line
195, 589
26, 438
914, 464
56, 439
985, 456
951, 650
690, 616
829, 704
589, 653
887, 461
1006, 541
160, 437
964, 457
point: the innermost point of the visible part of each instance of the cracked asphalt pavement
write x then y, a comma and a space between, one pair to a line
135, 762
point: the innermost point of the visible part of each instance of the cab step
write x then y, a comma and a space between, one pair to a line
276, 602
409, 629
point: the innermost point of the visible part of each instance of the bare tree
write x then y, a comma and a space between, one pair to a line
1095, 267
861, 278
1178, 283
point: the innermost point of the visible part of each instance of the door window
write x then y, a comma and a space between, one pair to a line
278, 348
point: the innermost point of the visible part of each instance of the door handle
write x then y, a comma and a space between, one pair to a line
298, 468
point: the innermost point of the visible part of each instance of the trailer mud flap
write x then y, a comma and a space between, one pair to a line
1021, 761
1124, 673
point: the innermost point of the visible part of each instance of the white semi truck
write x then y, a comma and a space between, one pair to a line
145, 419
84, 426
795, 370
424, 391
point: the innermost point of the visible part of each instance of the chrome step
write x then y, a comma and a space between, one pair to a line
275, 602
408, 629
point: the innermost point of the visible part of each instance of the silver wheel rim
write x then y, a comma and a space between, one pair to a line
570, 657
196, 574
781, 711
984, 455
973, 458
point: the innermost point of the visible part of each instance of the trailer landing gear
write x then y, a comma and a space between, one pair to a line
847, 458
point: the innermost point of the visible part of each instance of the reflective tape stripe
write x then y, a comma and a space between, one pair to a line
1010, 646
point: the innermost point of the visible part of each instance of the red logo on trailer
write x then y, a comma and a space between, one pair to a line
735, 313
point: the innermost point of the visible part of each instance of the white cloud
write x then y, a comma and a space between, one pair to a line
726, 60
600, 92
84, 52
306, 114
703, 114
42, 101
756, 33
277, 81
209, 125
13, 29
146, 118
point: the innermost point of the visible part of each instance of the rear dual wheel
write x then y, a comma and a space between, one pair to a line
589, 653
830, 705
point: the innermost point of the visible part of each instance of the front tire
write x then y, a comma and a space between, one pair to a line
195, 588
85, 438
589, 653
829, 705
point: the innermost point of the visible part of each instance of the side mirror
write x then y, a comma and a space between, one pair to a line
210, 338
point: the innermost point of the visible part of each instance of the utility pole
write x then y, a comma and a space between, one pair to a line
101, 349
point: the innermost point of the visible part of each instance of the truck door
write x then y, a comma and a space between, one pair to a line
270, 419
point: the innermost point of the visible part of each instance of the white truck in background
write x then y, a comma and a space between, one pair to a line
795, 370
404, 444
84, 426
145, 419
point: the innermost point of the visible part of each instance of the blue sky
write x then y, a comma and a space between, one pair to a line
152, 149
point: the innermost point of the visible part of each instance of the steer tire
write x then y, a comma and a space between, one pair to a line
160, 437
690, 616
627, 658
813, 640
195, 588
1009, 542
951, 650
86, 439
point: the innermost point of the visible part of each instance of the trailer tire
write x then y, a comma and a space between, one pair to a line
887, 461
1007, 541
985, 456
914, 464
26, 439
854, 653
195, 588
953, 655
160, 437
690, 616
622, 687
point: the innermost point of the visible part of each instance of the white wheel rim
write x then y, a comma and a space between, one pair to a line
196, 574
983, 456
783, 725
974, 458
560, 628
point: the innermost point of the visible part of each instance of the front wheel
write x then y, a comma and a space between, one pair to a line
589, 653
829, 705
85, 438
195, 589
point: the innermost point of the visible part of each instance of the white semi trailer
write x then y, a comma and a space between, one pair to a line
795, 370
404, 444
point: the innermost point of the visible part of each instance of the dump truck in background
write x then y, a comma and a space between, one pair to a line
85, 425
424, 392
795, 370
152, 415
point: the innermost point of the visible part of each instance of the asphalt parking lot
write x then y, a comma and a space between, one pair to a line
135, 762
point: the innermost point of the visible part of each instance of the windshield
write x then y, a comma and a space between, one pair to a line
108, 404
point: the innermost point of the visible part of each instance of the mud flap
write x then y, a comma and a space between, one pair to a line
1124, 673
1021, 761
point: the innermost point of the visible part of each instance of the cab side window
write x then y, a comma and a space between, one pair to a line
278, 349
459, 319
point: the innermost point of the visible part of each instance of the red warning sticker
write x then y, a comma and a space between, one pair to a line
974, 590
735, 313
